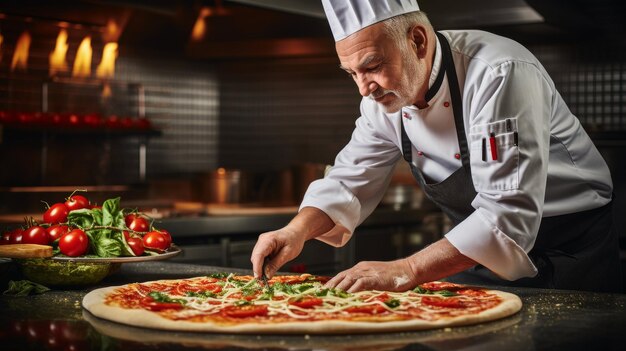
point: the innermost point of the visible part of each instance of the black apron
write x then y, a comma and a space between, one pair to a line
576, 251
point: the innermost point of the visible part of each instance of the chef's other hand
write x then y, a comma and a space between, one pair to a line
281, 246
373, 275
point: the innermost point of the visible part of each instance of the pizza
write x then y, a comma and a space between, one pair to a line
229, 303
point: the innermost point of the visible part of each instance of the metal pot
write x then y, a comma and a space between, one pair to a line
401, 196
224, 186
304, 174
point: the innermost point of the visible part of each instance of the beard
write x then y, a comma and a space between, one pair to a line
406, 92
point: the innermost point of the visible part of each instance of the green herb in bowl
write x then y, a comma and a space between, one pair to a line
54, 273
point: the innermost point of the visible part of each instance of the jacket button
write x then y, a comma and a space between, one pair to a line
406, 115
457, 156
419, 153
446, 104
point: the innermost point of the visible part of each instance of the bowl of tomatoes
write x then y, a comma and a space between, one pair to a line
88, 241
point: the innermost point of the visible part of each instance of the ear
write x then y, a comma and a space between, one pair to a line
419, 40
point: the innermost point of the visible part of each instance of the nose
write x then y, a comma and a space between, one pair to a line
366, 87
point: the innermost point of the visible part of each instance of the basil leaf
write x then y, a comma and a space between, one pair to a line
111, 212
322, 292
267, 295
393, 303
126, 250
163, 298
421, 290
446, 293
220, 275
304, 287
96, 213
243, 303
107, 247
82, 218
340, 293
24, 288
203, 294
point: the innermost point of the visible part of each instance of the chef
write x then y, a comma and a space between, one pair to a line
489, 140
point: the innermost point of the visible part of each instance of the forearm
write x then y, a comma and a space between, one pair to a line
437, 261
311, 222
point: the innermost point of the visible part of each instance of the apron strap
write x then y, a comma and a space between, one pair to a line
457, 101
457, 106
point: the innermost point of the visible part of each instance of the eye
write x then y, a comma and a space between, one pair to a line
375, 68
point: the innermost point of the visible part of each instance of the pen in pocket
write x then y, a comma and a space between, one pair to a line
493, 146
484, 150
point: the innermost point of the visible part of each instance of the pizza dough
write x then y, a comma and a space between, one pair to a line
205, 304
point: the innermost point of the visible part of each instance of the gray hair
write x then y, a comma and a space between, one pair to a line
398, 27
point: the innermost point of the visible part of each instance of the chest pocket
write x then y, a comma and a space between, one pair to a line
499, 170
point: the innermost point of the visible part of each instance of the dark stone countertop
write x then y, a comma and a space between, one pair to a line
549, 320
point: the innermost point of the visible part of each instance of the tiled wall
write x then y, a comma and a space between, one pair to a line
592, 82
279, 113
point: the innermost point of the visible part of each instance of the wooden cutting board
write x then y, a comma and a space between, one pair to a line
25, 251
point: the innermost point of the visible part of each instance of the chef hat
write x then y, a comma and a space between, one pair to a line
348, 16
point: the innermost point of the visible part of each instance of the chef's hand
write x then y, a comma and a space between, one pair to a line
281, 246
373, 275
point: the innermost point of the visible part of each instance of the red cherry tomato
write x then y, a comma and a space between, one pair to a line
6, 238
126, 235
143, 123
155, 241
74, 243
168, 236
56, 231
58, 119
16, 236
450, 302
76, 202
113, 122
6, 117
57, 213
245, 311
25, 117
149, 303
137, 223
136, 244
75, 120
93, 120
307, 302
35, 235
126, 123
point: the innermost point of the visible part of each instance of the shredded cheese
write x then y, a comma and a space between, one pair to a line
281, 299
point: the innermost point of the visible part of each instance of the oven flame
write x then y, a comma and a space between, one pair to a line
57, 57
106, 68
20, 56
199, 28
82, 63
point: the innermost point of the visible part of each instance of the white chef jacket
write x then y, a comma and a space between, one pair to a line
554, 169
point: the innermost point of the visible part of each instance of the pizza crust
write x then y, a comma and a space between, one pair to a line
94, 303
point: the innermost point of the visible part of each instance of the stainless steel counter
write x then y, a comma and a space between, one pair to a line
549, 320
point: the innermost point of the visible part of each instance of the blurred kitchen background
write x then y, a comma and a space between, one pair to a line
214, 116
